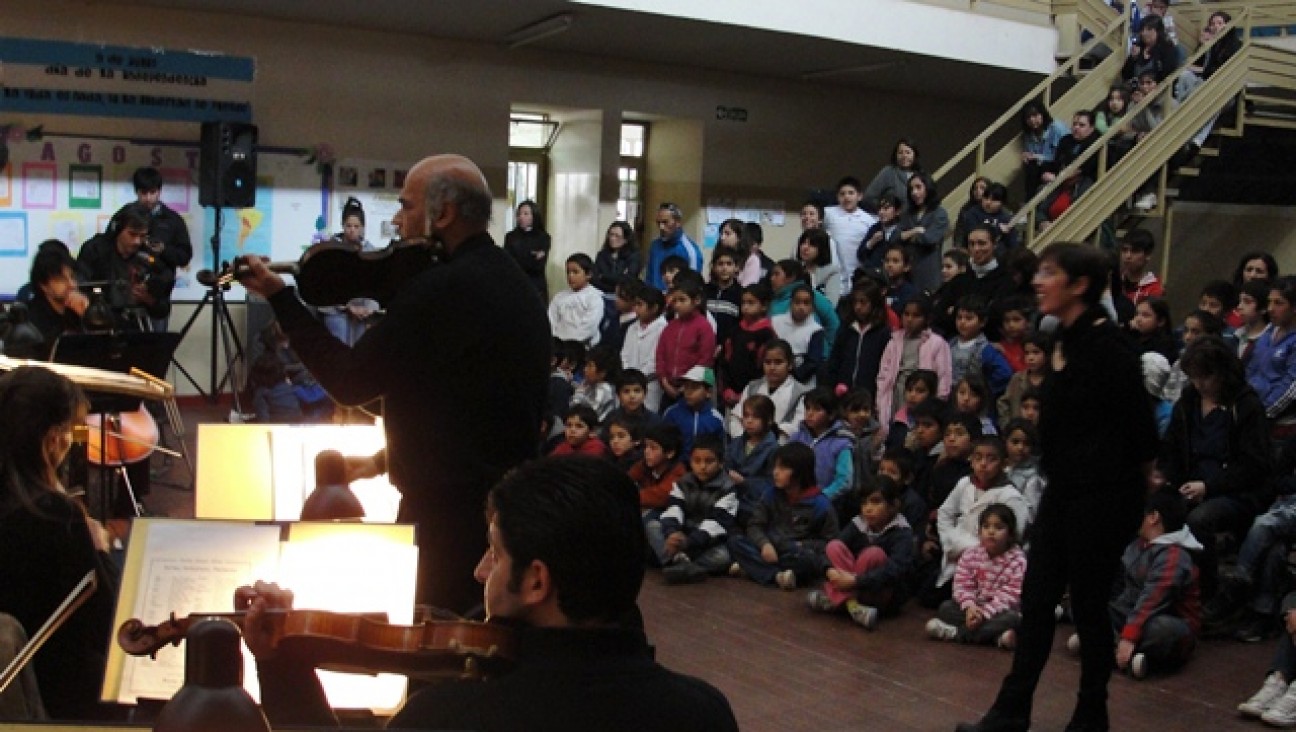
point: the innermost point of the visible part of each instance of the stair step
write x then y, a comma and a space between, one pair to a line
1209, 152
1188, 171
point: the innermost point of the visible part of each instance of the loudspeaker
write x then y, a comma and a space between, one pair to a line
227, 165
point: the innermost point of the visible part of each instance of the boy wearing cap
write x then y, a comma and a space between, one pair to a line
1275, 703
694, 414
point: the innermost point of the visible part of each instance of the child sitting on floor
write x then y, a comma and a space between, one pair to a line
689, 540
870, 559
958, 518
833, 444
986, 607
1157, 614
623, 442
790, 528
596, 390
750, 458
656, 474
580, 433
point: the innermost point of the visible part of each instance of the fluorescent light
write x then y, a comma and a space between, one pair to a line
840, 71
540, 30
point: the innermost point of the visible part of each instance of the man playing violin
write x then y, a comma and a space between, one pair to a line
461, 361
56, 306
563, 570
136, 285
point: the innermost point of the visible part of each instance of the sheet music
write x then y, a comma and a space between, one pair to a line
193, 568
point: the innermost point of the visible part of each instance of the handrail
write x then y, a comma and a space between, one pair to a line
1099, 147
1040, 90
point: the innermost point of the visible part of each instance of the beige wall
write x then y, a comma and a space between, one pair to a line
1208, 240
386, 96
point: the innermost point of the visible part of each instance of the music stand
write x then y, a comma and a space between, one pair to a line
116, 352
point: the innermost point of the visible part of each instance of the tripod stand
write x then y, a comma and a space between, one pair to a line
223, 333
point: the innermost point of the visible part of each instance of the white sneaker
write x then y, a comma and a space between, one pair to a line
1146, 202
1007, 640
736, 570
938, 629
1274, 687
786, 580
1282, 712
1138, 667
865, 615
1073, 643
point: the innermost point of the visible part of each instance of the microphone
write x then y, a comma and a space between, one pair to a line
332, 498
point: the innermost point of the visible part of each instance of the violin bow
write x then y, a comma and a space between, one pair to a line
82, 592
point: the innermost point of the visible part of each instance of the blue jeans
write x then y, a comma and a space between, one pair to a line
1263, 555
806, 564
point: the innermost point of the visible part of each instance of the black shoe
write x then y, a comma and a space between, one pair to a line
993, 722
1258, 627
684, 573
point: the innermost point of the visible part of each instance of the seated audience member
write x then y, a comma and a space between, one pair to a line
871, 559
1252, 316
1040, 137
1021, 464
1272, 368
580, 433
579, 663
989, 211
898, 465
723, 293
1137, 281
857, 413
912, 347
975, 193
1275, 702
274, 400
656, 474
971, 353
920, 386
777, 384
749, 459
597, 390
1011, 320
690, 539
624, 442
1152, 330
954, 263
1156, 615
632, 390
833, 445
958, 519
790, 528
986, 606
1152, 52
1070, 148
695, 414
1220, 298
786, 277
814, 251
1038, 367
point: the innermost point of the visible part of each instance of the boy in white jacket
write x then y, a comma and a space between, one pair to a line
958, 517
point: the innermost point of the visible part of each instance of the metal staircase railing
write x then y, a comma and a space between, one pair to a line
996, 152
1256, 72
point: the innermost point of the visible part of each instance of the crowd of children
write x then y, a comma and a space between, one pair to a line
877, 443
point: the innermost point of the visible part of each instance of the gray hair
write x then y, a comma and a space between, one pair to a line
474, 201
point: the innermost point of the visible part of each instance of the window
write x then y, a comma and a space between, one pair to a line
530, 136
630, 174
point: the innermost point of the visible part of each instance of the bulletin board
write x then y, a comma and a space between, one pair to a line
68, 187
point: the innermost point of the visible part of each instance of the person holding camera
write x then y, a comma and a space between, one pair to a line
136, 282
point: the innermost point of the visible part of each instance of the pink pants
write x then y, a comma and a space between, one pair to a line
841, 557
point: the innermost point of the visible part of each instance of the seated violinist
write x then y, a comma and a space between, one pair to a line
578, 666
48, 543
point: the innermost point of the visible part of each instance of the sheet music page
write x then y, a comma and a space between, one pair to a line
191, 567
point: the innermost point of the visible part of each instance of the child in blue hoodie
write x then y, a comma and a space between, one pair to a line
695, 415
785, 540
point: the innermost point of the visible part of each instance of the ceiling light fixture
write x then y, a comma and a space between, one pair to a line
540, 30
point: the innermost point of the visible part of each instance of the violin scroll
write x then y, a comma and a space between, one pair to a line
139, 639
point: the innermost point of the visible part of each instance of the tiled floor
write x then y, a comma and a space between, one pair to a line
786, 668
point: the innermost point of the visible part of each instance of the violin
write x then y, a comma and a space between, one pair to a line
335, 272
356, 643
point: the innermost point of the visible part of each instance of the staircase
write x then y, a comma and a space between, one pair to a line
1257, 87
996, 152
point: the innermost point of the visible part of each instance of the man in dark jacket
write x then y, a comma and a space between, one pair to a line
461, 361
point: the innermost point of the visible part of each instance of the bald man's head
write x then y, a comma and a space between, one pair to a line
434, 182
